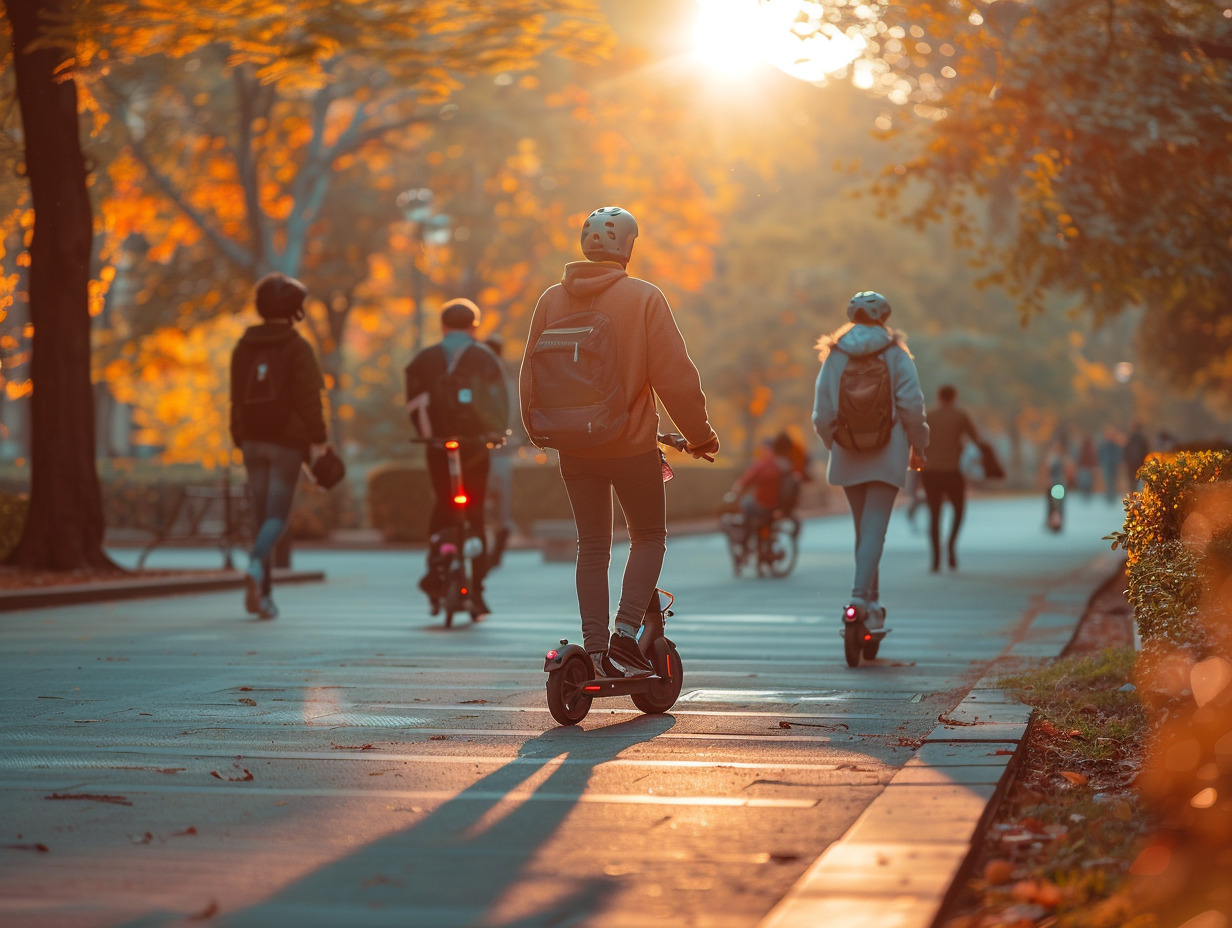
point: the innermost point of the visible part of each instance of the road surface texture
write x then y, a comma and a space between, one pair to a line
172, 761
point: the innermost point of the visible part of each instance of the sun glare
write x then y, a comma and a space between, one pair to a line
732, 37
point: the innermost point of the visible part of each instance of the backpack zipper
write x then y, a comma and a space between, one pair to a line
575, 331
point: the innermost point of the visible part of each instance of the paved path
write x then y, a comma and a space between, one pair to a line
353, 764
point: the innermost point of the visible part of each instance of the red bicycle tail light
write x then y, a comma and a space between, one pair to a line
465, 591
451, 445
850, 614
868, 637
460, 499
552, 655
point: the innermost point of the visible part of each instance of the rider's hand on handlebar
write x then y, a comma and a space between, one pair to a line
707, 449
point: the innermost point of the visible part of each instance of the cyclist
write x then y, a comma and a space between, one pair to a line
456, 389
770, 484
870, 476
651, 360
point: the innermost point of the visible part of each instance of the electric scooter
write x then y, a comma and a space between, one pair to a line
572, 684
859, 640
454, 559
1056, 507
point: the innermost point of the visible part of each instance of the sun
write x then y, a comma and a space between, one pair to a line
735, 37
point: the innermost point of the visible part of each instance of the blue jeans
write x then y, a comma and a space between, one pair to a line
638, 482
273, 471
871, 505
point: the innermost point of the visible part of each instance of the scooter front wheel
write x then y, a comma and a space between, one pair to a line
566, 700
663, 693
853, 643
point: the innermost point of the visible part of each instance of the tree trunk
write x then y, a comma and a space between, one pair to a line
64, 528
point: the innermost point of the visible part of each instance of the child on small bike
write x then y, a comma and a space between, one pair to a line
770, 484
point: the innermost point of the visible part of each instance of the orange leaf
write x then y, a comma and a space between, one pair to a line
1076, 778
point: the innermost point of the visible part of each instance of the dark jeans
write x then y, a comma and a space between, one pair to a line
638, 482
273, 471
871, 504
940, 485
475, 465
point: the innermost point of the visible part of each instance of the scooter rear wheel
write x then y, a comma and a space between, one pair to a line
566, 701
853, 643
662, 694
870, 649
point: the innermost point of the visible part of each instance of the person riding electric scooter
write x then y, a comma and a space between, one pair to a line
602, 346
869, 411
456, 389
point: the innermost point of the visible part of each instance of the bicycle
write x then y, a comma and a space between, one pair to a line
454, 559
772, 549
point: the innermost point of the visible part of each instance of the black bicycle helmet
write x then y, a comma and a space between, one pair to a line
875, 306
608, 234
280, 297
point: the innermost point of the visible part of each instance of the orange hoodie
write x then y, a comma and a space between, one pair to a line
650, 352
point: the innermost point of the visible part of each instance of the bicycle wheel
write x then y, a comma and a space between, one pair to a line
566, 701
783, 547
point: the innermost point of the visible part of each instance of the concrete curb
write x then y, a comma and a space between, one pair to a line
136, 587
902, 861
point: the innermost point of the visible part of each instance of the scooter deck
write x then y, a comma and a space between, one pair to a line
620, 686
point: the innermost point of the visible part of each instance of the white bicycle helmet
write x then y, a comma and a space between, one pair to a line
875, 306
608, 234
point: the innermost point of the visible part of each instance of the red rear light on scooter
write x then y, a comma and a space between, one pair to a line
868, 637
551, 655
460, 499
850, 614
592, 688
451, 445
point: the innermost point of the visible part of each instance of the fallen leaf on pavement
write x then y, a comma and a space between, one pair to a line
91, 797
467, 702
350, 747
190, 830
955, 722
244, 779
41, 848
248, 702
1077, 779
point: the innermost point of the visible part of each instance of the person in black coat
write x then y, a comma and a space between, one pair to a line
278, 421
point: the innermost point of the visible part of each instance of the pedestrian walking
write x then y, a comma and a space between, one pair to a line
1134, 455
949, 429
278, 421
869, 411
602, 346
456, 389
1110, 457
1087, 463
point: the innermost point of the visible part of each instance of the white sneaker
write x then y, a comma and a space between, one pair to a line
267, 608
876, 617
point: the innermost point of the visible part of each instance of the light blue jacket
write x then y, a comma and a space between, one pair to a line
889, 464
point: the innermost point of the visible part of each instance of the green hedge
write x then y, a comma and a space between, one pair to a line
1166, 545
400, 496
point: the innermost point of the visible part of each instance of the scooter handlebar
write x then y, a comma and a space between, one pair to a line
680, 443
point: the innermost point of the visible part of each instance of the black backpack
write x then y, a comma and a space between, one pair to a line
454, 402
265, 397
865, 403
577, 397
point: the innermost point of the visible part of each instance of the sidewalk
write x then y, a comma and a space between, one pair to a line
904, 859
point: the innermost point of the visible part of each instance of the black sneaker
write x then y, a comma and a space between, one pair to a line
624, 654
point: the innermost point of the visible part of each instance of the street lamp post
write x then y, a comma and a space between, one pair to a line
427, 225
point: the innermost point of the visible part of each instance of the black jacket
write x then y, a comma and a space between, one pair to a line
301, 388
478, 367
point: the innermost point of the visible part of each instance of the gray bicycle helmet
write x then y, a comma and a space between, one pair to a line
874, 305
608, 234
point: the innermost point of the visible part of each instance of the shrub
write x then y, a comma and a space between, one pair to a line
400, 496
1165, 575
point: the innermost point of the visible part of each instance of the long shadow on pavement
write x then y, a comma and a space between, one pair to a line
453, 867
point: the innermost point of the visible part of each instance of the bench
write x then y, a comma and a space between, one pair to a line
213, 515
557, 539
